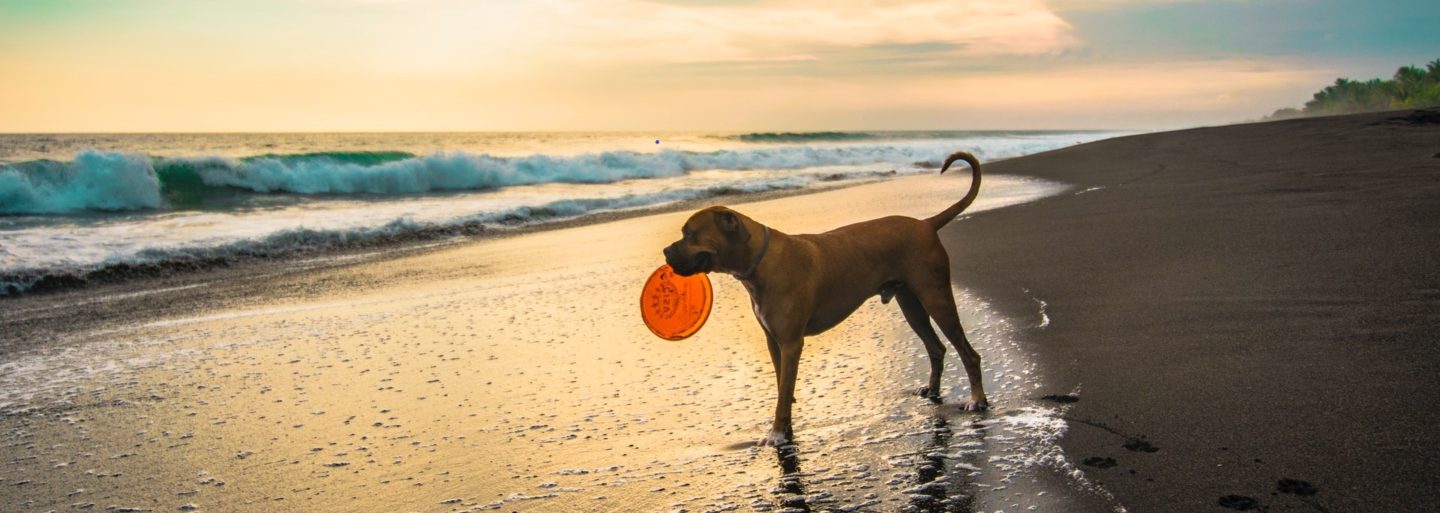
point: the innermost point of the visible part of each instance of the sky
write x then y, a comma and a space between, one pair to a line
638, 65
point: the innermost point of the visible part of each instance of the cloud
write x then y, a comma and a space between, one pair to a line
1075, 5
657, 64
635, 31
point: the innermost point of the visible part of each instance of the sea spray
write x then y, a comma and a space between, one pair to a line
111, 181
93, 181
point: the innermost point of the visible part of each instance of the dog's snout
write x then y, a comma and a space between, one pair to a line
685, 262
674, 256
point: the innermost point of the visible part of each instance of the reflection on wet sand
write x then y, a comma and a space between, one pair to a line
939, 480
940, 485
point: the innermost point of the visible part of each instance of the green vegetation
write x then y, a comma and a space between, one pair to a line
1411, 88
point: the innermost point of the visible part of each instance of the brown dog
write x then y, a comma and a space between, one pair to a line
802, 285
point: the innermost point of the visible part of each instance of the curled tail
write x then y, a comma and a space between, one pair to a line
949, 214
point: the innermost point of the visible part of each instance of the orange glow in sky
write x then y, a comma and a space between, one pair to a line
399, 65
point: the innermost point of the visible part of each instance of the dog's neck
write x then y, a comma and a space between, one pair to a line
755, 262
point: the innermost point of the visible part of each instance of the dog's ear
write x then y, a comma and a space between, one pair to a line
731, 226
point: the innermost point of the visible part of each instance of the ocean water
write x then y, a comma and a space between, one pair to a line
75, 205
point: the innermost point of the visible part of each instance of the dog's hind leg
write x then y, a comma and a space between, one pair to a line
920, 322
939, 302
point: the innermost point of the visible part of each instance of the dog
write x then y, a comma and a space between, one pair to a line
802, 285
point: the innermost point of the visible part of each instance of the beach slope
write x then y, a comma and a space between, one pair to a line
1246, 314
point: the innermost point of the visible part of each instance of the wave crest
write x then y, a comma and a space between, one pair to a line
93, 181
108, 181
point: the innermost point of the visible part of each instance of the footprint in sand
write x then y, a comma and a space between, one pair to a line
1140, 445
1239, 502
1099, 462
1296, 487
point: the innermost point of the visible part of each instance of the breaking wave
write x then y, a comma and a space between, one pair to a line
107, 181
93, 181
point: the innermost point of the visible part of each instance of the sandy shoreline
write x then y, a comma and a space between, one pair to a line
513, 374
1257, 301
30, 317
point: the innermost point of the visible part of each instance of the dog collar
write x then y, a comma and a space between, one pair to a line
764, 246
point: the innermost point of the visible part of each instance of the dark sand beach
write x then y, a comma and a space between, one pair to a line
1231, 317
1258, 302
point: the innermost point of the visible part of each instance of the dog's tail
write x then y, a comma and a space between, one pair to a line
949, 214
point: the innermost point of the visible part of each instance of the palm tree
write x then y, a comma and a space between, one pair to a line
1409, 84
1411, 87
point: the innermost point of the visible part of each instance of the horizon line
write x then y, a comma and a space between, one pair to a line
578, 131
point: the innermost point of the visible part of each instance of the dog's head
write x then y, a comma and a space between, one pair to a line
713, 239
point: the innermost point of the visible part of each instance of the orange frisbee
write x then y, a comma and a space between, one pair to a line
673, 306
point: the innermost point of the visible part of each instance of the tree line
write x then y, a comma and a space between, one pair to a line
1411, 88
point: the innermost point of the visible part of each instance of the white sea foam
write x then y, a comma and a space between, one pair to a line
113, 181
470, 171
93, 181
343, 199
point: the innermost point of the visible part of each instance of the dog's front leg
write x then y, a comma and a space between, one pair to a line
780, 430
774, 357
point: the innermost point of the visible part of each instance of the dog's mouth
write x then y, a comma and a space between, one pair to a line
700, 263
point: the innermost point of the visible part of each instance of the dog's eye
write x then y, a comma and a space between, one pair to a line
688, 235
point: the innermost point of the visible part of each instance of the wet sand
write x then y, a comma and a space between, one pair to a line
513, 374
1248, 313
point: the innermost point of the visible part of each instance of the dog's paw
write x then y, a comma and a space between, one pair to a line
980, 405
775, 438
932, 395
